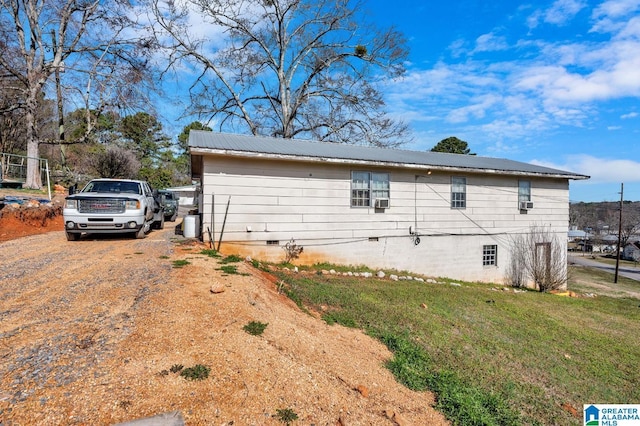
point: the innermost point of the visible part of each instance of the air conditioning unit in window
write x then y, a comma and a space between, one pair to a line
526, 205
382, 203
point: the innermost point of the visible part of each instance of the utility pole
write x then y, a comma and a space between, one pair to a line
615, 277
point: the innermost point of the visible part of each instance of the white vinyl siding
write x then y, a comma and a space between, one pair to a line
279, 200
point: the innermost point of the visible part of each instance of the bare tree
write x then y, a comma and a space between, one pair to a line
11, 139
287, 68
630, 221
538, 257
516, 273
117, 162
44, 38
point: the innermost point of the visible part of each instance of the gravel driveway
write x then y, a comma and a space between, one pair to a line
65, 307
89, 331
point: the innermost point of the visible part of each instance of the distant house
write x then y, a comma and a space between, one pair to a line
606, 243
631, 251
436, 214
578, 235
579, 241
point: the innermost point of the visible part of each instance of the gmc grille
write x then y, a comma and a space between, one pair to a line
102, 205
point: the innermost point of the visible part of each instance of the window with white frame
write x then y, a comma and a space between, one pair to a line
458, 192
524, 191
366, 187
489, 255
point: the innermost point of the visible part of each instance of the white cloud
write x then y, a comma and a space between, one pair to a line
586, 72
562, 11
490, 43
609, 16
477, 109
454, 93
630, 115
545, 83
557, 85
601, 170
457, 48
534, 19
616, 8
513, 129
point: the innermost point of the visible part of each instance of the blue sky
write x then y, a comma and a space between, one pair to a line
555, 83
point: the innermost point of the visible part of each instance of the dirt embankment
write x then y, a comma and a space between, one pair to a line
89, 331
22, 215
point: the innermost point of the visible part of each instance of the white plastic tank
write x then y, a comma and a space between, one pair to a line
191, 227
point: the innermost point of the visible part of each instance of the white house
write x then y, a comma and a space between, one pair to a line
441, 215
631, 251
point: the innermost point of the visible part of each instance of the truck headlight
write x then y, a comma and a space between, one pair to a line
132, 205
71, 204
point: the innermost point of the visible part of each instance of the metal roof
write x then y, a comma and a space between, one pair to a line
203, 142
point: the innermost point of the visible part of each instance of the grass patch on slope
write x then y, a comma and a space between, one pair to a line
491, 357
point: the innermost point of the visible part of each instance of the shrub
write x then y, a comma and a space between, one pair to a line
292, 251
210, 253
233, 258
255, 328
176, 367
180, 263
286, 415
197, 372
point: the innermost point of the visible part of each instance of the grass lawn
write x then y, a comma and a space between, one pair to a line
491, 356
622, 263
591, 280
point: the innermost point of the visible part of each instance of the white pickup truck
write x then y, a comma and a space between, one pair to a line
113, 206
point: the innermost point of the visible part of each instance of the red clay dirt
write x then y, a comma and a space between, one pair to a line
30, 219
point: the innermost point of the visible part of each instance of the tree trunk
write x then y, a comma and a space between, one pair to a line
33, 180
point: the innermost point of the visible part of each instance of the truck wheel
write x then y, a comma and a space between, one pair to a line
72, 236
160, 223
139, 234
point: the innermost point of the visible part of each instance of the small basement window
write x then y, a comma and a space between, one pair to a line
273, 242
489, 255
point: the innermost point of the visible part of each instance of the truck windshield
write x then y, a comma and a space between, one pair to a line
112, 186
